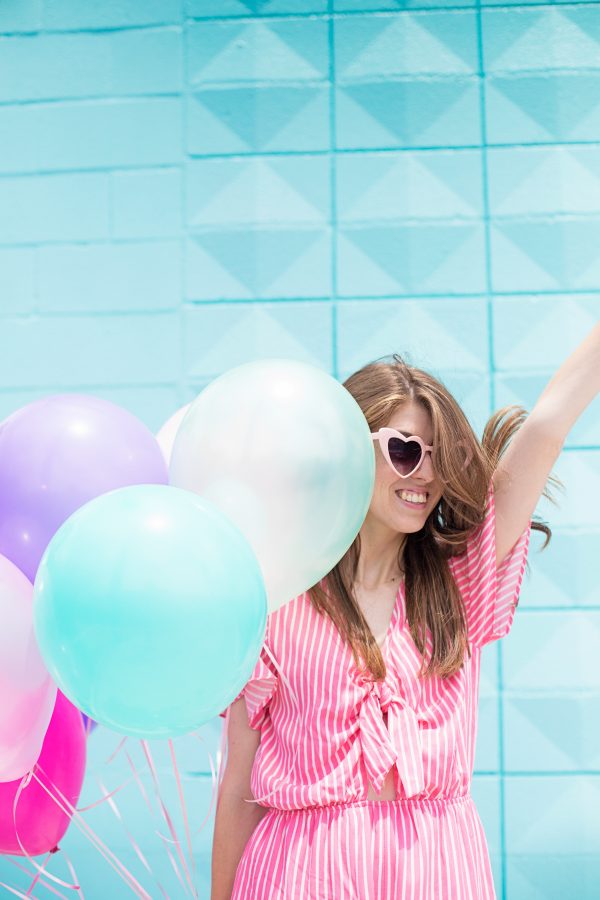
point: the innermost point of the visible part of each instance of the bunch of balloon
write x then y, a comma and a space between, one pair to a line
285, 452
56, 454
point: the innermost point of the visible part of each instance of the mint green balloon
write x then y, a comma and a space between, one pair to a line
149, 610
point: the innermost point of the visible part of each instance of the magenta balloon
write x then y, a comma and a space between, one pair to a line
58, 453
40, 823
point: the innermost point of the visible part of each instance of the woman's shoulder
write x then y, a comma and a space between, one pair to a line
297, 630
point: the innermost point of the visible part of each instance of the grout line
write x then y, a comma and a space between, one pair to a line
333, 199
492, 406
183, 168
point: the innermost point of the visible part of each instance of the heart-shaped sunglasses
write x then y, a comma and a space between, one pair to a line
403, 454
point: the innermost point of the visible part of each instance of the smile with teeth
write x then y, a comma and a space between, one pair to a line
412, 497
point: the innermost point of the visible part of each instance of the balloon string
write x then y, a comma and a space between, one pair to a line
16, 892
47, 886
116, 751
64, 804
134, 844
182, 803
73, 874
82, 809
25, 780
37, 876
152, 812
166, 815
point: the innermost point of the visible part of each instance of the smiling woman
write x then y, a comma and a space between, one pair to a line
366, 690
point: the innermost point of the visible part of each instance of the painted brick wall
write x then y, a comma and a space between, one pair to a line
186, 185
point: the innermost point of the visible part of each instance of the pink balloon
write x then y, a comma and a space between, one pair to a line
27, 692
40, 823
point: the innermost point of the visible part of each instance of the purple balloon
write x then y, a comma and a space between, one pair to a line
88, 724
58, 453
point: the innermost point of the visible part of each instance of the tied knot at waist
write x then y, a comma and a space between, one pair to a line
399, 744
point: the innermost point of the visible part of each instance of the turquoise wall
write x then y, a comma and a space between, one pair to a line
185, 186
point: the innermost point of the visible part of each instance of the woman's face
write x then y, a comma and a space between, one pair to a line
387, 505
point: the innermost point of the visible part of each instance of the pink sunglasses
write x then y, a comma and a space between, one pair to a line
403, 454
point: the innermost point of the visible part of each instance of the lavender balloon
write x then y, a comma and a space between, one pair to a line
58, 453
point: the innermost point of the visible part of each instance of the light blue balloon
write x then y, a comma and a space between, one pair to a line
150, 610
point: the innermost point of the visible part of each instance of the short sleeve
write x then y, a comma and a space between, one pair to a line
490, 595
258, 691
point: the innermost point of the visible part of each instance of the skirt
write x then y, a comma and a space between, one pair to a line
403, 849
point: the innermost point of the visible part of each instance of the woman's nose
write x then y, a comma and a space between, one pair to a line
426, 470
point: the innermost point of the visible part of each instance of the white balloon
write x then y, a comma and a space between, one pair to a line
167, 433
284, 450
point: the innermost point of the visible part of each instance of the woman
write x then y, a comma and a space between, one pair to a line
351, 747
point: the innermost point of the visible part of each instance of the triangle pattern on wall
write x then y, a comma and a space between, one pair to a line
256, 258
548, 39
411, 44
256, 115
407, 109
256, 192
257, 51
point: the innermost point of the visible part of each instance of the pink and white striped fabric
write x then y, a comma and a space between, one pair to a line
323, 739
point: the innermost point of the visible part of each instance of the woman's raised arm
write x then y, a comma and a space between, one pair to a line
524, 468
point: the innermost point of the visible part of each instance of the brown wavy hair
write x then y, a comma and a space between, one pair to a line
433, 599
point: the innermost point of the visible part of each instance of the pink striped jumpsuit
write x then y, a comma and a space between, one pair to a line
323, 739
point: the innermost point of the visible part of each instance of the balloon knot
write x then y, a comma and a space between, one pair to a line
54, 849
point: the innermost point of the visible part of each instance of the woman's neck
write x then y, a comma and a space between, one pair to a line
381, 558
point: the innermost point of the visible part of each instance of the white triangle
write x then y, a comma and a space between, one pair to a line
447, 201
510, 119
408, 179
566, 317
311, 260
529, 731
372, 279
254, 334
443, 278
405, 46
531, 275
449, 353
366, 130
585, 126
222, 284
575, 631
580, 185
220, 133
544, 591
530, 191
581, 478
271, 58
411, 329
553, 41
581, 801
257, 194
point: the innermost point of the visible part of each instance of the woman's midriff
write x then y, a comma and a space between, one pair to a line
388, 789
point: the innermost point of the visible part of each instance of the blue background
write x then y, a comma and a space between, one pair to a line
185, 186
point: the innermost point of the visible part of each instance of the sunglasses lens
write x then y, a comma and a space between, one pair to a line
405, 455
